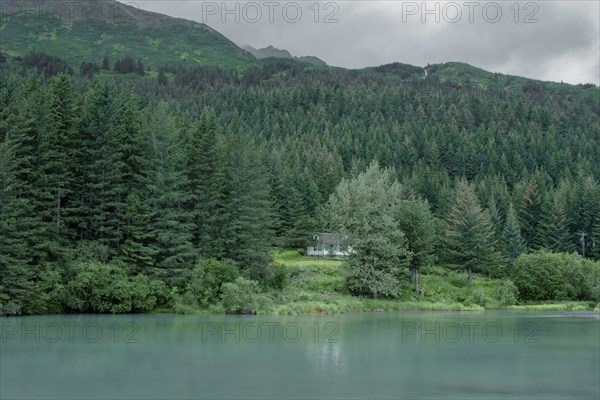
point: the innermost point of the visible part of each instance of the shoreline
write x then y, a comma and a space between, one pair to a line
575, 309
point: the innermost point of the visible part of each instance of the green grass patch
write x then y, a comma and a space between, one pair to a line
316, 285
292, 258
562, 306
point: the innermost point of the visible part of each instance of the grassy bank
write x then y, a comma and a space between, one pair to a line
316, 285
557, 306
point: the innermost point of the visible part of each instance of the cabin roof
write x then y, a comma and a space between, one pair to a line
328, 238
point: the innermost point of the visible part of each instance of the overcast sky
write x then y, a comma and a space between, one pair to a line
549, 40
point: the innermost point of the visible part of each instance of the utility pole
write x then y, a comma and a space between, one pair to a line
582, 236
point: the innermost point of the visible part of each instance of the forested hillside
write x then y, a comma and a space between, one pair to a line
134, 177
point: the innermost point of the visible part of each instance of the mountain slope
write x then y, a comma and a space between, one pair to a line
403, 71
92, 29
460, 74
272, 52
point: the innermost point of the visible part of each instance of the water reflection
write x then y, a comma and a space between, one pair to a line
326, 357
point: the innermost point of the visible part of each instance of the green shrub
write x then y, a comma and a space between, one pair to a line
104, 288
477, 296
48, 293
208, 277
243, 297
182, 303
506, 293
366, 280
550, 276
147, 294
278, 276
8, 307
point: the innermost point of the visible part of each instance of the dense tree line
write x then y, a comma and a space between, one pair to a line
534, 151
93, 172
47, 65
159, 173
129, 65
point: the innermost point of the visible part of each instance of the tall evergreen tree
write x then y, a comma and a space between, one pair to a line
108, 148
132, 142
162, 78
530, 213
469, 234
418, 225
105, 63
512, 236
249, 234
587, 204
596, 237
554, 228
16, 274
23, 119
207, 184
59, 158
139, 238
168, 184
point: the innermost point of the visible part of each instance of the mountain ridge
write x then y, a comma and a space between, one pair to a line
90, 30
273, 52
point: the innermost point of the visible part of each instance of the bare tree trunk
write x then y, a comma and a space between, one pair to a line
417, 283
470, 277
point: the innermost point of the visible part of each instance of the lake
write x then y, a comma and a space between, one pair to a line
408, 355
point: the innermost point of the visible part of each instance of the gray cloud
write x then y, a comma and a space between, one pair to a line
563, 45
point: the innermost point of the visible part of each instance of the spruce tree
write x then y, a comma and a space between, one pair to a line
418, 225
106, 152
248, 237
168, 193
596, 237
139, 238
587, 205
206, 180
105, 63
512, 236
162, 78
23, 119
59, 161
530, 212
132, 142
469, 234
16, 274
554, 228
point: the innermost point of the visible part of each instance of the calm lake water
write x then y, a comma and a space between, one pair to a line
408, 355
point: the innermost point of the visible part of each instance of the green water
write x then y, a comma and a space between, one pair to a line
409, 355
